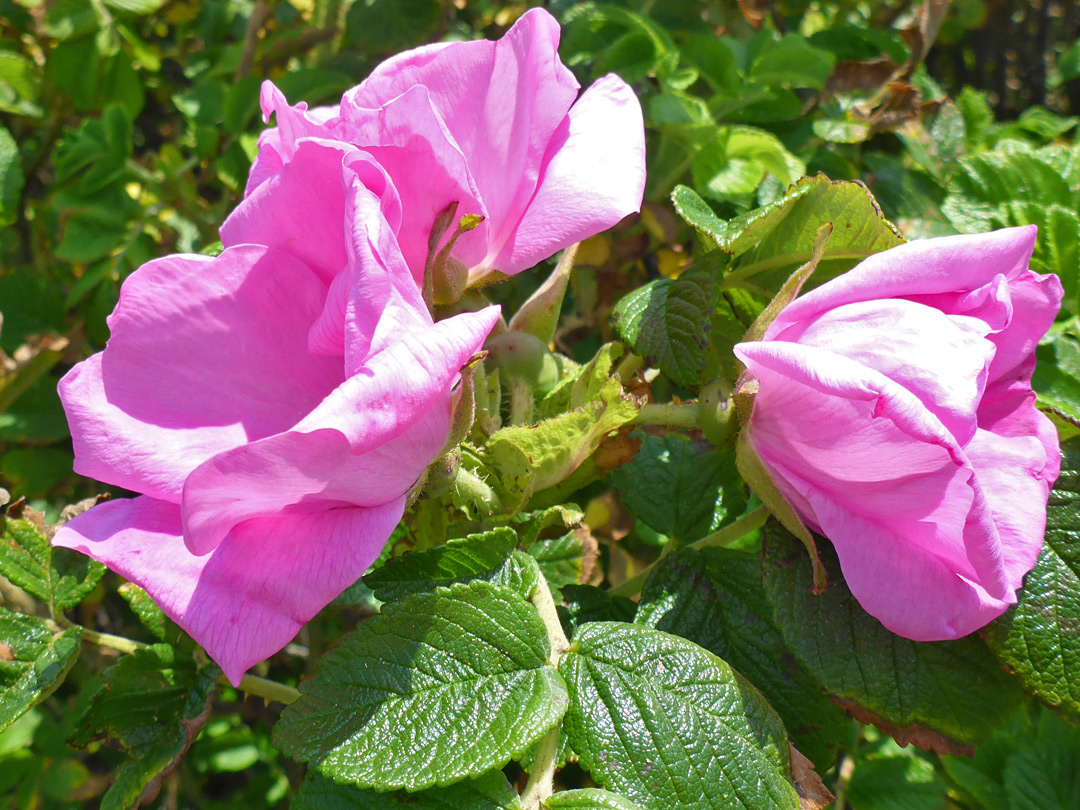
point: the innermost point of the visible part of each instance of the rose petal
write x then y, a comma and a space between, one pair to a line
873, 450
501, 103
249, 598
412, 143
914, 593
946, 264
593, 175
395, 410
942, 361
205, 354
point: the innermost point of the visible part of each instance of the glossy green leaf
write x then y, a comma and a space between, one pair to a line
667, 724
59, 577
33, 662
488, 792
858, 230
714, 598
564, 560
680, 487
1037, 638
487, 555
945, 696
437, 688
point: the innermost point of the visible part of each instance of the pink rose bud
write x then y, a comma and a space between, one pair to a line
274, 405
895, 413
497, 127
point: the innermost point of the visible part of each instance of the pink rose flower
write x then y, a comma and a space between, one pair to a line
493, 126
273, 405
896, 414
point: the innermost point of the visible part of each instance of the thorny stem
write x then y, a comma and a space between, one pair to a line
542, 777
676, 414
251, 684
723, 537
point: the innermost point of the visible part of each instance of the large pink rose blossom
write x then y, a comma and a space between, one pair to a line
273, 405
497, 127
896, 414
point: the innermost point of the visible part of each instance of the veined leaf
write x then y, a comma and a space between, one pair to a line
439, 687
488, 792
667, 724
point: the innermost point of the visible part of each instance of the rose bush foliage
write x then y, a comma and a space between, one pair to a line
304, 437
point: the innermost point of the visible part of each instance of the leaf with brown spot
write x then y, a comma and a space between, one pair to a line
813, 795
912, 734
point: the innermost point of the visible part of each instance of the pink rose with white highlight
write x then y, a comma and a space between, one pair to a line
895, 412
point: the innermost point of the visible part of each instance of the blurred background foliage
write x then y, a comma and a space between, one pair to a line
127, 128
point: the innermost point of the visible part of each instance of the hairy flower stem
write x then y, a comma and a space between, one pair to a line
251, 684
542, 776
676, 414
718, 539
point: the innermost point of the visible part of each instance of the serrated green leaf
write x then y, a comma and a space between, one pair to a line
1044, 773
488, 556
152, 704
667, 724
666, 322
944, 695
57, 576
714, 598
530, 525
737, 159
563, 560
532, 458
1037, 638
859, 230
792, 61
588, 799
488, 792
437, 688
680, 487
33, 662
19, 80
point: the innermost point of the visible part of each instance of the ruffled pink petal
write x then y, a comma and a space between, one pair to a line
205, 354
1035, 303
413, 145
913, 593
593, 175
500, 101
367, 442
941, 360
249, 598
296, 473
924, 267
874, 450
278, 145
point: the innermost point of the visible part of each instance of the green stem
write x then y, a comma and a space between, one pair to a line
541, 782
266, 689
718, 539
252, 684
675, 414
629, 366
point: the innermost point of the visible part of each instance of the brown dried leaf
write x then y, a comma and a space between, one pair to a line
922, 737
813, 795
